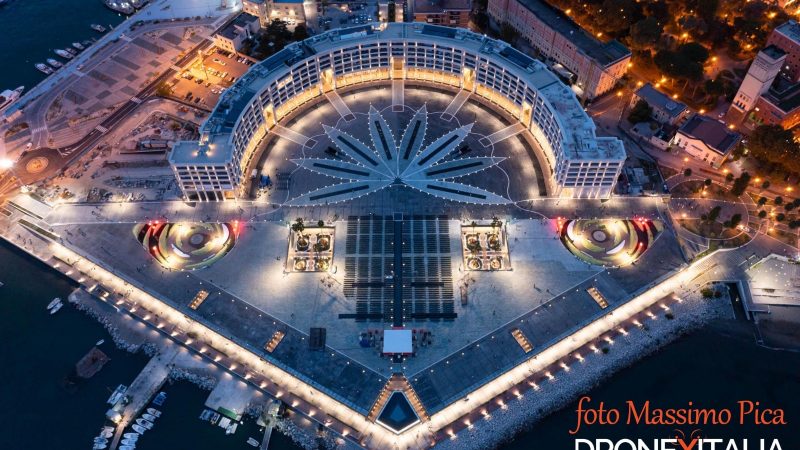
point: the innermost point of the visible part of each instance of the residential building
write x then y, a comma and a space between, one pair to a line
258, 8
292, 11
449, 13
787, 38
577, 162
706, 139
391, 11
760, 76
780, 105
665, 109
235, 33
597, 65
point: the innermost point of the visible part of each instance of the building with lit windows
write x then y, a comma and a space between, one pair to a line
579, 164
449, 13
596, 66
236, 33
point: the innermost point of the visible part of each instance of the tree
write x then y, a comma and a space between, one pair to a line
765, 184
641, 112
164, 90
762, 201
762, 214
646, 33
771, 143
708, 182
740, 184
778, 200
736, 219
780, 217
300, 32
714, 213
729, 177
687, 172
616, 16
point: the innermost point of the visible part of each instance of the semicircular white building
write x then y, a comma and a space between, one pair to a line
578, 162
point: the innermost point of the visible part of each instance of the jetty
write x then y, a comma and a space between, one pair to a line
143, 388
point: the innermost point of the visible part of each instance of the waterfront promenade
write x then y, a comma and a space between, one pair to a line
341, 419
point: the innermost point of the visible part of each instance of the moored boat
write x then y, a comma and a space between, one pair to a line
138, 428
154, 412
149, 417
44, 68
144, 423
54, 63
8, 97
78, 46
56, 308
98, 28
53, 302
63, 53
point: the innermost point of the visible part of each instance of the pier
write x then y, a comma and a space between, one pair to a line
146, 384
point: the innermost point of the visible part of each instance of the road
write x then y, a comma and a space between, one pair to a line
62, 157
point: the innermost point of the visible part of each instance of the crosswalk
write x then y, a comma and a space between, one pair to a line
101, 129
136, 100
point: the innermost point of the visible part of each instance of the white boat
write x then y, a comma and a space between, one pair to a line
100, 342
138, 428
133, 436
154, 412
99, 446
126, 447
71, 51
149, 417
78, 46
130, 442
63, 54
44, 68
8, 97
99, 440
144, 423
54, 302
252, 442
107, 432
98, 28
131, 439
55, 63
56, 308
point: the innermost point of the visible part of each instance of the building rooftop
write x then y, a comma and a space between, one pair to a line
604, 53
438, 6
659, 100
773, 52
241, 21
579, 140
713, 133
790, 29
784, 94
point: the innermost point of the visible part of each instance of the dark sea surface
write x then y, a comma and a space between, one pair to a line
32, 29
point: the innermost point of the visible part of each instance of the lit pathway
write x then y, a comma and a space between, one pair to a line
505, 133
456, 104
291, 135
398, 92
340, 106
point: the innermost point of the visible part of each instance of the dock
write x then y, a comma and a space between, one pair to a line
143, 388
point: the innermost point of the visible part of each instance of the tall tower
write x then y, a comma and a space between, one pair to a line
766, 66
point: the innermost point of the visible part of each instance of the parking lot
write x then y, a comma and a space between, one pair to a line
202, 83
